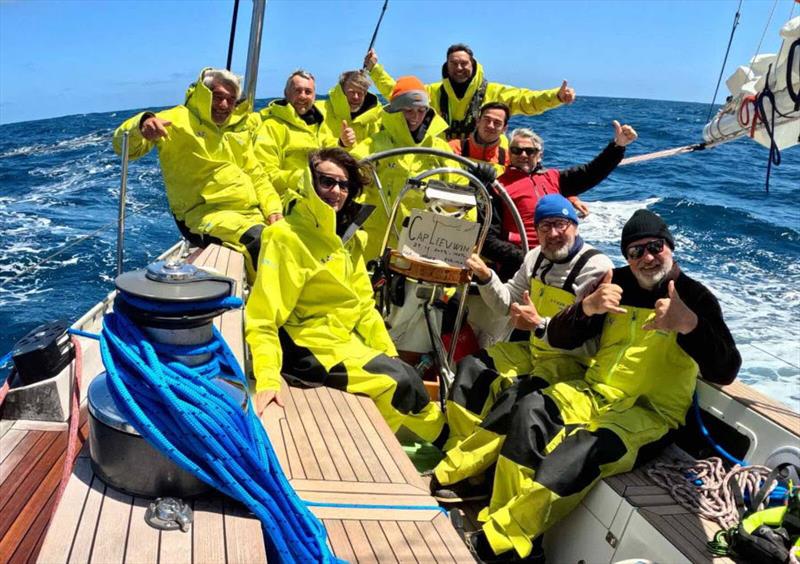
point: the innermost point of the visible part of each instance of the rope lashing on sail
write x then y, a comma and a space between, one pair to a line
769, 124
794, 51
187, 416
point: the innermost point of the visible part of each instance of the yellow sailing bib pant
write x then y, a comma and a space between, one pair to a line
482, 377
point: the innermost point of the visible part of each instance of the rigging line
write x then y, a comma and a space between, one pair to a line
233, 33
65, 247
774, 356
766, 27
725, 60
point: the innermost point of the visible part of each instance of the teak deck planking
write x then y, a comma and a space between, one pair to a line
334, 448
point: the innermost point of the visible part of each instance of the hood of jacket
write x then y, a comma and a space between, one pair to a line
198, 101
283, 111
395, 125
341, 107
472, 87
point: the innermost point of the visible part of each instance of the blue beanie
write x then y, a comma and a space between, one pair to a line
555, 205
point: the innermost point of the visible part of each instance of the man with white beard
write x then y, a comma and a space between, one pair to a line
548, 280
656, 330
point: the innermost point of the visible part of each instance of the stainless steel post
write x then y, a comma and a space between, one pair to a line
123, 195
254, 51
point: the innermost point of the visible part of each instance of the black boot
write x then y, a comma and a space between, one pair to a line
480, 548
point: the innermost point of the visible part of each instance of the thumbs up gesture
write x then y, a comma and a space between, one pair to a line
524, 316
604, 299
672, 314
566, 94
348, 135
623, 134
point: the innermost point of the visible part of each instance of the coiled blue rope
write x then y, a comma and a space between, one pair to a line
186, 415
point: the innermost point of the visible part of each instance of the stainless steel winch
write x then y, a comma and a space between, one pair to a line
120, 455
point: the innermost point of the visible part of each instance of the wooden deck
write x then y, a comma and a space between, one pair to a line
334, 447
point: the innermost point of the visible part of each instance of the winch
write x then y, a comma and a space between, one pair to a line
174, 304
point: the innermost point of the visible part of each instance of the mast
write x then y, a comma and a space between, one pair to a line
254, 51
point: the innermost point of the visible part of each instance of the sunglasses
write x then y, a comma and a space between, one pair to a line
560, 225
328, 182
530, 151
636, 252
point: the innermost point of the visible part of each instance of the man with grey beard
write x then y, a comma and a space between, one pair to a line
655, 331
551, 276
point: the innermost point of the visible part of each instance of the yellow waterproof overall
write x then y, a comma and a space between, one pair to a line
560, 441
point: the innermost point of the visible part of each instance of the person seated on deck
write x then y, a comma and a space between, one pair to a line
463, 90
350, 105
311, 315
217, 190
486, 143
655, 329
292, 128
548, 281
526, 180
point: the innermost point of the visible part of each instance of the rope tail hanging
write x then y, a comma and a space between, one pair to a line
188, 416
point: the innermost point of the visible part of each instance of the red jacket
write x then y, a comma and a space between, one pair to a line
526, 190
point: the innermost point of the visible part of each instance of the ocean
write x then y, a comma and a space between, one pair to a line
59, 181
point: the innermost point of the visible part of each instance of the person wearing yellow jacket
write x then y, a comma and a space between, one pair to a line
655, 329
351, 105
552, 274
408, 121
311, 315
291, 129
464, 89
216, 188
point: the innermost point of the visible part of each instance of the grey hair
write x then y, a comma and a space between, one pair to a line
214, 76
527, 133
356, 77
302, 74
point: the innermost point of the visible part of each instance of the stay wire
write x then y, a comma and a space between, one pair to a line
233, 33
725, 60
766, 27
66, 247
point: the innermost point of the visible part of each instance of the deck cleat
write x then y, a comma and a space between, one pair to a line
169, 514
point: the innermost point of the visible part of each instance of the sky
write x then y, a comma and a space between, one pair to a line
82, 56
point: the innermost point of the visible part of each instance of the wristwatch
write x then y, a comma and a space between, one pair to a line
541, 329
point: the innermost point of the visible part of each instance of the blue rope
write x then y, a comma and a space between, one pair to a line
186, 415
229, 302
707, 435
79, 333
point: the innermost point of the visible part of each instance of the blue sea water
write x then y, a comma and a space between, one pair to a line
59, 180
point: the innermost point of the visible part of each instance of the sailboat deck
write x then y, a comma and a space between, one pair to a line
334, 447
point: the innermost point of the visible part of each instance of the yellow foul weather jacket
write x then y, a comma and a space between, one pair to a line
284, 141
457, 111
364, 124
214, 183
310, 285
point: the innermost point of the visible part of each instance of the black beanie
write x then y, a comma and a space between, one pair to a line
644, 223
